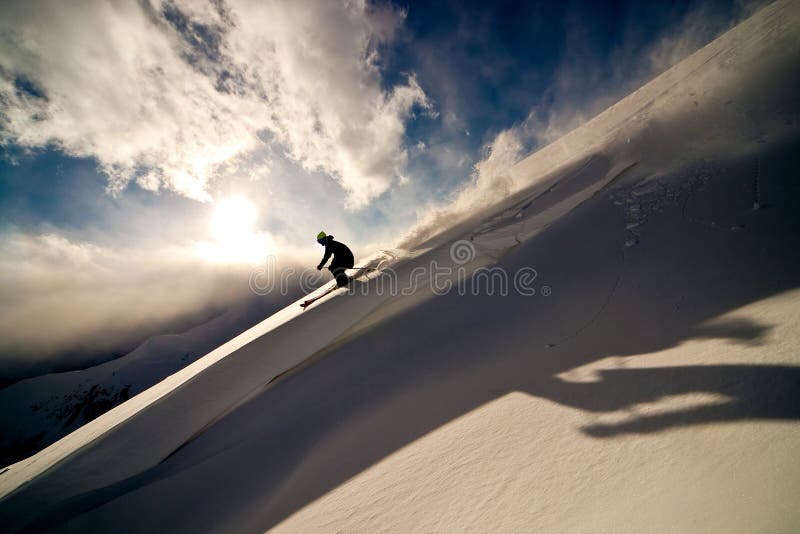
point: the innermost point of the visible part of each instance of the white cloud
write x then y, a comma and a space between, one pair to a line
62, 296
176, 94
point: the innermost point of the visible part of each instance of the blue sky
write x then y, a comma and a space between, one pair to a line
124, 127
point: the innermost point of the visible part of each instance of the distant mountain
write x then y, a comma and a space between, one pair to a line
40, 410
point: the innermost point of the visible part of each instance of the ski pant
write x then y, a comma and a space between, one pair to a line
338, 271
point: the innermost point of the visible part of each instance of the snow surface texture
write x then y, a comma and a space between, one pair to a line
650, 384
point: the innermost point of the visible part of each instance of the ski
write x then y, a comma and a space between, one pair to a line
305, 303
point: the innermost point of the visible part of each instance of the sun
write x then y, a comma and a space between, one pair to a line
233, 218
236, 238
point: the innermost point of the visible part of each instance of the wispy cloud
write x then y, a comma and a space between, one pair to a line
176, 94
64, 297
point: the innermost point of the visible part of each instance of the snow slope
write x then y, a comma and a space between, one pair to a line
650, 383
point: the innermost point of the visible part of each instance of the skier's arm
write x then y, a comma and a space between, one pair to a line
325, 257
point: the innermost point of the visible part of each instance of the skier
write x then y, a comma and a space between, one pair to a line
342, 258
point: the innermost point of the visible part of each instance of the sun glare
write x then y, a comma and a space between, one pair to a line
233, 218
235, 236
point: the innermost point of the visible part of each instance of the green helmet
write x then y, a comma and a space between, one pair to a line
321, 236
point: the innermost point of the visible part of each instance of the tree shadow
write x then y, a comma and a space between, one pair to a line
745, 392
736, 330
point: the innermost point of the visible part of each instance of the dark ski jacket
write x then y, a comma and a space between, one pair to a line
342, 256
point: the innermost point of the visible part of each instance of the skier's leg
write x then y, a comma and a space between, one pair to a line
342, 279
340, 275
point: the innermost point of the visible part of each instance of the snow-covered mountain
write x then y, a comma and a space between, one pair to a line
40, 410
611, 348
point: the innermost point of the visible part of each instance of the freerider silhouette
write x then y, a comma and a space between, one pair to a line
342, 258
